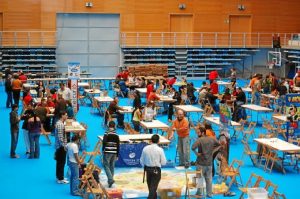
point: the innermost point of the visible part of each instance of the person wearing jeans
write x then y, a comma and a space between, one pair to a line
74, 164
25, 117
204, 148
34, 129
14, 130
8, 90
110, 148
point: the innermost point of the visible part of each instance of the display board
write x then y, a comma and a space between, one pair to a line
293, 115
74, 76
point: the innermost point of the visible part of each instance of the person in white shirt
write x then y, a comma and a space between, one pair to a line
74, 164
64, 91
152, 159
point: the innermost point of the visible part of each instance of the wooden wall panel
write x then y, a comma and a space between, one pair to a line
21, 21
207, 23
1, 21
145, 15
145, 22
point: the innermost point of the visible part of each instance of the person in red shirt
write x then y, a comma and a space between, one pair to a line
53, 95
23, 78
27, 99
150, 88
172, 81
214, 87
213, 75
152, 96
119, 75
50, 102
125, 75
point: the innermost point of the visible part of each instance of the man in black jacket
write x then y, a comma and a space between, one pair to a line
14, 130
110, 148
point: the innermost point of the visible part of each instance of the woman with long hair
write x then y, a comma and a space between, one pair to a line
34, 130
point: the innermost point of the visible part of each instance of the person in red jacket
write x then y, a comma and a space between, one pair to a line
213, 75
125, 75
214, 87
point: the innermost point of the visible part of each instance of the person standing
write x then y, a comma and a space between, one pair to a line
152, 159
25, 117
16, 89
181, 126
8, 90
14, 130
34, 130
256, 91
204, 148
22, 77
64, 91
233, 77
74, 164
60, 145
213, 75
110, 148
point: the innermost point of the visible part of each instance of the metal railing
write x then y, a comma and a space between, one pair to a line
204, 39
27, 38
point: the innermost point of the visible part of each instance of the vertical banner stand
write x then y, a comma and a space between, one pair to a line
74, 76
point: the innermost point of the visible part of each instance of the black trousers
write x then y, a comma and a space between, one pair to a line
60, 157
16, 96
120, 119
153, 178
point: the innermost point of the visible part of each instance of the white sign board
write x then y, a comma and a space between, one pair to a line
74, 70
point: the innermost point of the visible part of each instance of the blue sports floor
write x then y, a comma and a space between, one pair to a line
35, 178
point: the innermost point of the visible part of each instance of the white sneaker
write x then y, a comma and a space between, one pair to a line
64, 181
